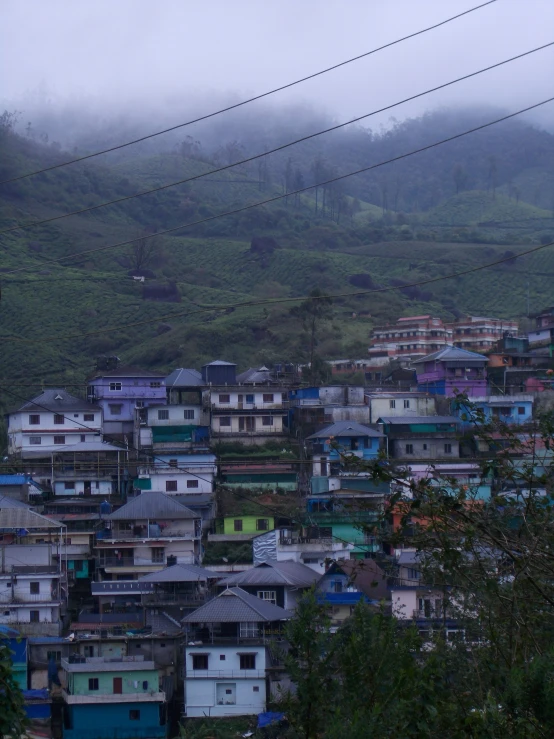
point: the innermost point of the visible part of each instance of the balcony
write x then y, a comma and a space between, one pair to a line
146, 697
261, 408
258, 431
110, 537
29, 598
225, 674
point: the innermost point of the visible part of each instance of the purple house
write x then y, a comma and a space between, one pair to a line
450, 371
121, 393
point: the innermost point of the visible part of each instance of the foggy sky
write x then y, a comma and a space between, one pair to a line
109, 55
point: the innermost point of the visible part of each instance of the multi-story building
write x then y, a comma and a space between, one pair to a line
227, 654
451, 371
120, 391
184, 427
147, 533
399, 404
337, 445
178, 474
425, 437
409, 337
311, 545
105, 697
475, 332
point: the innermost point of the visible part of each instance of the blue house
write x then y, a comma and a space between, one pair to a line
346, 583
334, 444
511, 409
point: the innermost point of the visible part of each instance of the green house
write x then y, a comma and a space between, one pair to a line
254, 525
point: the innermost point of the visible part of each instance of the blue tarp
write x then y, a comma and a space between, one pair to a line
268, 718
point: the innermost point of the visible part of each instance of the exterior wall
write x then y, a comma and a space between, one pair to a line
247, 399
410, 336
513, 409
112, 721
480, 333
438, 379
405, 601
17, 555
259, 427
249, 524
178, 415
363, 447
192, 473
426, 447
401, 404
359, 413
20, 590
97, 487
133, 682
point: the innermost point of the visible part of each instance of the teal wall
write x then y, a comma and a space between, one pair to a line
111, 721
78, 681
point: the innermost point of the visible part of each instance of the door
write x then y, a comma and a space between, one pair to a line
88, 489
241, 423
250, 423
226, 694
241, 402
117, 685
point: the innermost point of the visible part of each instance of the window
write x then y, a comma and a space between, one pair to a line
173, 463
155, 383
59, 439
83, 437
134, 714
270, 596
224, 422
188, 414
262, 524
192, 483
34, 617
409, 448
171, 486
34, 588
413, 574
249, 399
115, 409
35, 440
93, 683
56, 656
163, 415
521, 410
158, 555
59, 419
222, 657
268, 397
139, 403
69, 486
224, 398
237, 524
145, 684
249, 630
267, 421
115, 386
88, 417
247, 661
406, 404
256, 688
199, 661
392, 403
34, 420
336, 586
448, 448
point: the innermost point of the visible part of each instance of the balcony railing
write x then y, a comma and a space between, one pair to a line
258, 431
257, 407
115, 535
224, 674
23, 598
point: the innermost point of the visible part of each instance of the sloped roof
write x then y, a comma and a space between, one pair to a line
219, 363
151, 505
179, 573
24, 518
127, 371
263, 374
452, 354
365, 574
7, 502
235, 605
272, 572
184, 377
345, 428
56, 400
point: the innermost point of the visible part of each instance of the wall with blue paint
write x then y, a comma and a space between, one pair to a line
112, 721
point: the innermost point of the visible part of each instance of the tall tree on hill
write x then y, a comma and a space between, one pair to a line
142, 251
298, 184
459, 176
312, 312
317, 169
288, 179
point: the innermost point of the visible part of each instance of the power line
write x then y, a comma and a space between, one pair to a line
30, 224
252, 99
273, 301
275, 198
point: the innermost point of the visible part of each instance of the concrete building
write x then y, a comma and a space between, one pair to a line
451, 371
409, 337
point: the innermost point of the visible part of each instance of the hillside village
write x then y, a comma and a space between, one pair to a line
158, 532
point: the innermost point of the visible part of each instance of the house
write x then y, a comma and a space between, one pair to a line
511, 409
409, 337
462, 473
33, 587
270, 475
313, 407
178, 474
476, 332
244, 413
145, 534
184, 386
422, 437
20, 487
346, 583
119, 392
399, 404
451, 371
106, 698
336, 445
175, 428
313, 546
281, 583
228, 654
241, 527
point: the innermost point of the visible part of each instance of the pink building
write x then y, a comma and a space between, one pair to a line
413, 336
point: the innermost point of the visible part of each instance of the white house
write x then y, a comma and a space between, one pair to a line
399, 404
228, 654
179, 474
248, 414
298, 546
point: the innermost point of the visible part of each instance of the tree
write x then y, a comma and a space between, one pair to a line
312, 312
298, 184
12, 715
288, 179
142, 251
459, 175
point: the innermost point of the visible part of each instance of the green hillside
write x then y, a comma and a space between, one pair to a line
57, 318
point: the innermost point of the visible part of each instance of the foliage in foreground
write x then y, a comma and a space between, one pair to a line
12, 714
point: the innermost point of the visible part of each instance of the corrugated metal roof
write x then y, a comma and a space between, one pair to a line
149, 505
345, 428
184, 377
271, 572
410, 420
23, 518
7, 502
219, 363
451, 354
57, 400
234, 605
179, 573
